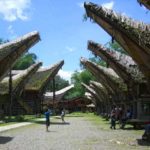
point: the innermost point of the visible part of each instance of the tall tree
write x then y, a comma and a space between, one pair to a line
60, 83
77, 78
25, 61
116, 47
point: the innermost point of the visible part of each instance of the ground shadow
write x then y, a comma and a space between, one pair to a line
128, 128
143, 142
52, 123
38, 122
74, 116
50, 131
60, 123
5, 139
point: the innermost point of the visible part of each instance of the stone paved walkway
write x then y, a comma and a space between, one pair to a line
76, 134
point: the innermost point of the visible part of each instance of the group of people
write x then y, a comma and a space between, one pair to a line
120, 115
48, 113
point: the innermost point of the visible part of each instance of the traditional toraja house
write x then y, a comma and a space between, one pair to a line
11, 51
97, 98
18, 84
90, 98
107, 75
50, 98
94, 69
123, 65
106, 101
133, 36
118, 93
95, 72
146, 3
36, 87
74, 104
99, 89
58, 102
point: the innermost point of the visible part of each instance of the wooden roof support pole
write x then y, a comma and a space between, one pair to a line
10, 93
54, 89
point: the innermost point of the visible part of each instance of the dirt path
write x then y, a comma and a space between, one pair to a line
77, 134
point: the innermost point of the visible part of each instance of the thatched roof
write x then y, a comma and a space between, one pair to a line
92, 91
95, 73
108, 77
11, 51
132, 35
18, 81
90, 97
58, 94
41, 78
123, 64
99, 89
102, 97
146, 3
90, 105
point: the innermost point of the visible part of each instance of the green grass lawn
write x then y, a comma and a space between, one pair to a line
20, 118
100, 122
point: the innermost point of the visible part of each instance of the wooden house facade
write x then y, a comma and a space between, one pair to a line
33, 93
134, 37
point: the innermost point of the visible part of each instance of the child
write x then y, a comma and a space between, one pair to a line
47, 116
62, 115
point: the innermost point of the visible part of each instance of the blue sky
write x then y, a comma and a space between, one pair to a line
63, 33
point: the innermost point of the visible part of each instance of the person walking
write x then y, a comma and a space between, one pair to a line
47, 117
63, 115
113, 119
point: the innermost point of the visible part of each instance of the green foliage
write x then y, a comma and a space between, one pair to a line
77, 78
85, 17
19, 118
3, 41
116, 47
113, 46
25, 61
60, 83
98, 61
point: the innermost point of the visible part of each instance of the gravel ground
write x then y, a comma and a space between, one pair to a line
77, 133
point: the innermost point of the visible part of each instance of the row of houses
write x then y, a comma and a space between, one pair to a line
125, 82
22, 92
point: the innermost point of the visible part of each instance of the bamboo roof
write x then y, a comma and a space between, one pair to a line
91, 105
41, 78
123, 64
95, 73
90, 97
146, 3
99, 89
18, 81
11, 51
132, 35
102, 97
92, 91
58, 94
109, 78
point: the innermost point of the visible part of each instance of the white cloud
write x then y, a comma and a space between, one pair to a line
12, 10
65, 74
11, 32
81, 5
109, 5
70, 49
10, 29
